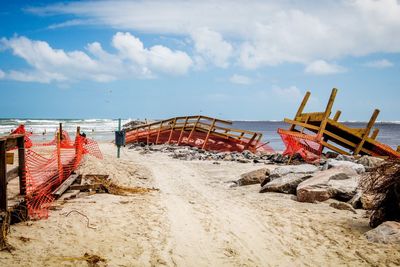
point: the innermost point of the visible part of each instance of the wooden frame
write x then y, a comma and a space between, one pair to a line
7, 143
357, 141
190, 124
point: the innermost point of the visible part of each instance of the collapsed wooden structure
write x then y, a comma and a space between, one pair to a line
197, 131
310, 133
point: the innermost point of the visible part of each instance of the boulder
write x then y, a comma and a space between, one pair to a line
253, 177
285, 184
339, 183
333, 163
370, 162
387, 232
299, 169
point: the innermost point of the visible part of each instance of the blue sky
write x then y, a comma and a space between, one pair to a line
250, 60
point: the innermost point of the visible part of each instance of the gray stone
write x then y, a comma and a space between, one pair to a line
345, 158
285, 184
333, 163
387, 233
340, 183
302, 169
253, 177
370, 162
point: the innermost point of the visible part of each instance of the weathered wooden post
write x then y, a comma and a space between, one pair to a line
21, 165
60, 167
3, 176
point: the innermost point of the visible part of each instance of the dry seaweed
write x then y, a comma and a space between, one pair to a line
109, 187
381, 192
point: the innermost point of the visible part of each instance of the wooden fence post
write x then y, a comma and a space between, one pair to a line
21, 165
3, 177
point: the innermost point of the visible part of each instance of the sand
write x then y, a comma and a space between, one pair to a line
195, 219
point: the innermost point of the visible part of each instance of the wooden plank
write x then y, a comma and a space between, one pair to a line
3, 176
208, 134
313, 116
334, 148
301, 124
11, 174
100, 176
10, 158
367, 130
65, 185
337, 115
375, 133
301, 107
85, 187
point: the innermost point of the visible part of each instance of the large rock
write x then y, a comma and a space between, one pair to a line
300, 169
387, 232
253, 177
370, 162
333, 163
339, 183
285, 184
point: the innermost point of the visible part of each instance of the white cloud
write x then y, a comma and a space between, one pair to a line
2, 74
49, 64
321, 67
210, 45
290, 94
267, 32
240, 79
379, 64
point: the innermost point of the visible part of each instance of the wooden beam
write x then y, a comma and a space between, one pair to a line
183, 129
208, 134
159, 131
337, 115
301, 108
65, 185
327, 112
301, 124
367, 130
172, 131
21, 166
85, 186
3, 176
375, 133
398, 149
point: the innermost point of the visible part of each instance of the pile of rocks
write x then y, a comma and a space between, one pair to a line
194, 153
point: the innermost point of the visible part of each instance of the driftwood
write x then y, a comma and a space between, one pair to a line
381, 193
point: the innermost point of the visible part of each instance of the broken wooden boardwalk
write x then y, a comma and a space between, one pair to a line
198, 131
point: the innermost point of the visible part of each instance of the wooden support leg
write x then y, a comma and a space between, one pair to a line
183, 129
172, 131
159, 130
301, 108
208, 134
250, 141
21, 166
3, 177
194, 128
367, 130
337, 115
375, 133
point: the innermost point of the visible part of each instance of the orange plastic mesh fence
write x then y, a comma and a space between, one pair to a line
307, 146
45, 174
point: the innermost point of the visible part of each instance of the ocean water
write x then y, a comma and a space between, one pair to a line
103, 129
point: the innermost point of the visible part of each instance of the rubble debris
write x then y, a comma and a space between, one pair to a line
387, 233
381, 193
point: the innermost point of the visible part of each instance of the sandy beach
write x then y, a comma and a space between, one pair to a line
195, 219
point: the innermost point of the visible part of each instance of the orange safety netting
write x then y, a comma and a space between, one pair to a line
307, 146
44, 174
194, 138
